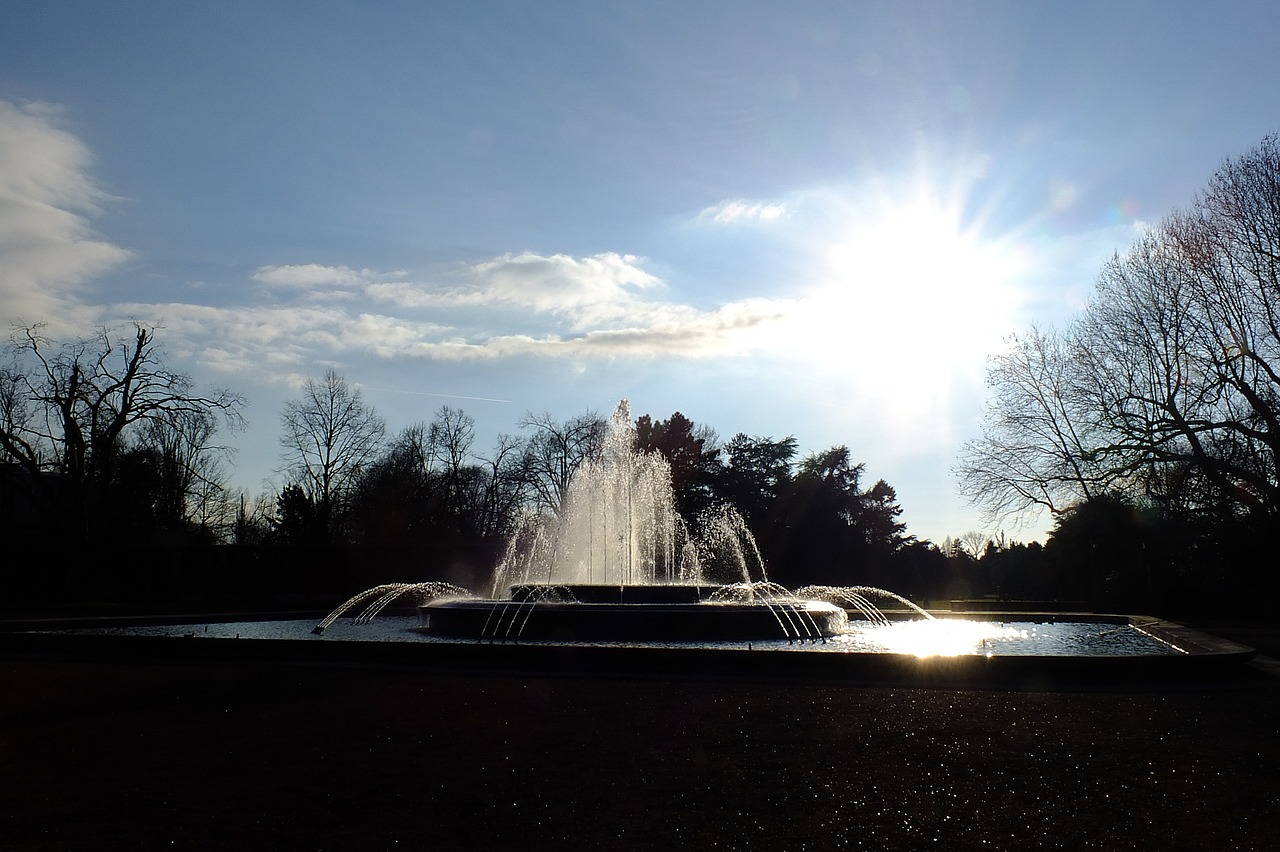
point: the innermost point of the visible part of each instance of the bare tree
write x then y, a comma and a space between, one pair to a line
328, 437
255, 518
504, 486
192, 471
1036, 450
555, 450
1168, 385
18, 442
973, 542
451, 436
68, 409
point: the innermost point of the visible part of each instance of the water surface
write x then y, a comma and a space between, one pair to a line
939, 637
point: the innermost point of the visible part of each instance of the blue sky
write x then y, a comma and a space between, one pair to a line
808, 219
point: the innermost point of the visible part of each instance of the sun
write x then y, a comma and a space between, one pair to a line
913, 279
906, 301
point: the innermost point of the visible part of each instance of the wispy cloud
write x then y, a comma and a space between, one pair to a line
509, 307
267, 340
48, 250
679, 333
560, 283
313, 275
588, 291
738, 211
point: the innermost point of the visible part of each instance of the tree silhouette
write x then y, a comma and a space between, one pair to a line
693, 454
1167, 387
329, 436
835, 531
69, 409
756, 473
298, 520
554, 452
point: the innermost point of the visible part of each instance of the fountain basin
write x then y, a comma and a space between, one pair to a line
642, 613
398, 641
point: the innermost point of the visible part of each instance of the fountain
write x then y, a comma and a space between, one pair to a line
618, 563
378, 598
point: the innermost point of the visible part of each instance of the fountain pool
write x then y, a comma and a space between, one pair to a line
938, 637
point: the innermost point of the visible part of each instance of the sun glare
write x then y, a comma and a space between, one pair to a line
918, 287
908, 297
947, 637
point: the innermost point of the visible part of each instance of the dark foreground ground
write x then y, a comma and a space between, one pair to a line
137, 755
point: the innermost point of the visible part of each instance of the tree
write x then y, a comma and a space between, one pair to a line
1167, 387
554, 452
68, 409
426, 488
693, 454
329, 436
391, 503
1036, 447
451, 436
756, 472
976, 543
504, 487
1099, 550
256, 519
297, 519
191, 473
835, 531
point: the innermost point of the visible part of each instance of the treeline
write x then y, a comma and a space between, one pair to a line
113, 487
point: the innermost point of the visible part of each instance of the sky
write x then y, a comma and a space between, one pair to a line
802, 219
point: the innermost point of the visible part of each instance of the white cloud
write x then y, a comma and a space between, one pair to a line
584, 292
588, 290
677, 332
254, 339
48, 251
413, 294
732, 212
513, 306
312, 275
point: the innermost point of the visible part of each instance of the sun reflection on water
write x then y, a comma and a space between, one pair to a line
933, 638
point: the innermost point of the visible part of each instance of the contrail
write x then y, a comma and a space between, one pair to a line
440, 395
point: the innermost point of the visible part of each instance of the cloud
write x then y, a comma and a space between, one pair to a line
48, 251
588, 290
584, 292
677, 332
415, 295
733, 212
257, 339
509, 307
310, 275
